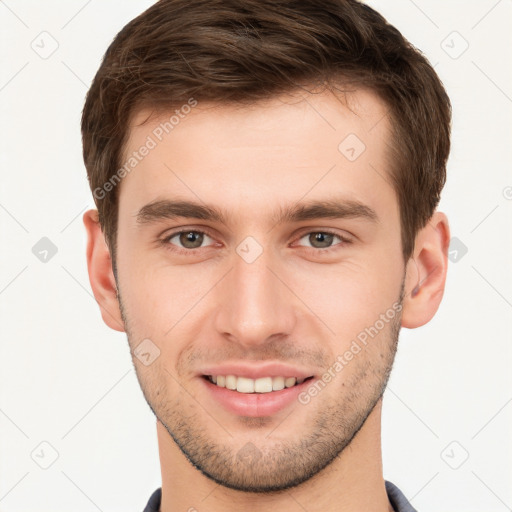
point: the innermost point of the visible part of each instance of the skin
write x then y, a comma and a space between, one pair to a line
296, 303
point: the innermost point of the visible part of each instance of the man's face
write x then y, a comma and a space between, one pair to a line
257, 296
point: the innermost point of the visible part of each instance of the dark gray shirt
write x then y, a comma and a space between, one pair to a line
396, 498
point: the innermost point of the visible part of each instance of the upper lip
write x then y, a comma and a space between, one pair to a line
256, 371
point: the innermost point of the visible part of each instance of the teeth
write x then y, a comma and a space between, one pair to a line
230, 381
261, 385
277, 383
289, 382
244, 385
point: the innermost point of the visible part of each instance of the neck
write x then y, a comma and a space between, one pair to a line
352, 482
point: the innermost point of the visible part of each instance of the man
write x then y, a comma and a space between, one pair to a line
266, 175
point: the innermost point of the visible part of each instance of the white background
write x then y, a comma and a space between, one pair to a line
67, 380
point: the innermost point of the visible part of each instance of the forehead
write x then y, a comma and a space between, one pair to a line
362, 109
252, 156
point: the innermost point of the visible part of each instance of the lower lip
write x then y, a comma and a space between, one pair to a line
255, 404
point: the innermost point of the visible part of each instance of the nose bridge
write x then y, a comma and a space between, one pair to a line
255, 304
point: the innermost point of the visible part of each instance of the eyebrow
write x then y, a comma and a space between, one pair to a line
310, 210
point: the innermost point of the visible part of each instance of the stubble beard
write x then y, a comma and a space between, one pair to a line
275, 463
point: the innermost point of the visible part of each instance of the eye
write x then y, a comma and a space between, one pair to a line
323, 239
187, 239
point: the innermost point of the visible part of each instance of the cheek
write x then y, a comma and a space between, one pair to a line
158, 297
350, 295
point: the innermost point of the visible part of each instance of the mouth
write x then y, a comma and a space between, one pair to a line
246, 388
260, 385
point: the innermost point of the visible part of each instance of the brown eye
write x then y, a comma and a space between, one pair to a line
321, 239
188, 239
191, 239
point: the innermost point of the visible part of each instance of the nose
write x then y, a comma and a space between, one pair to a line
254, 303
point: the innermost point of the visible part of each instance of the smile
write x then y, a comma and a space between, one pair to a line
260, 385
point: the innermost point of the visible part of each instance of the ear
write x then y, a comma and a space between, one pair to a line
101, 275
426, 272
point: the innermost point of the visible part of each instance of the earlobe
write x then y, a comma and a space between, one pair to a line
101, 276
426, 272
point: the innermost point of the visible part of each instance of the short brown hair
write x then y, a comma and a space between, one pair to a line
239, 51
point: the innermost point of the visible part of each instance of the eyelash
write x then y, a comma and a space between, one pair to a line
189, 252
